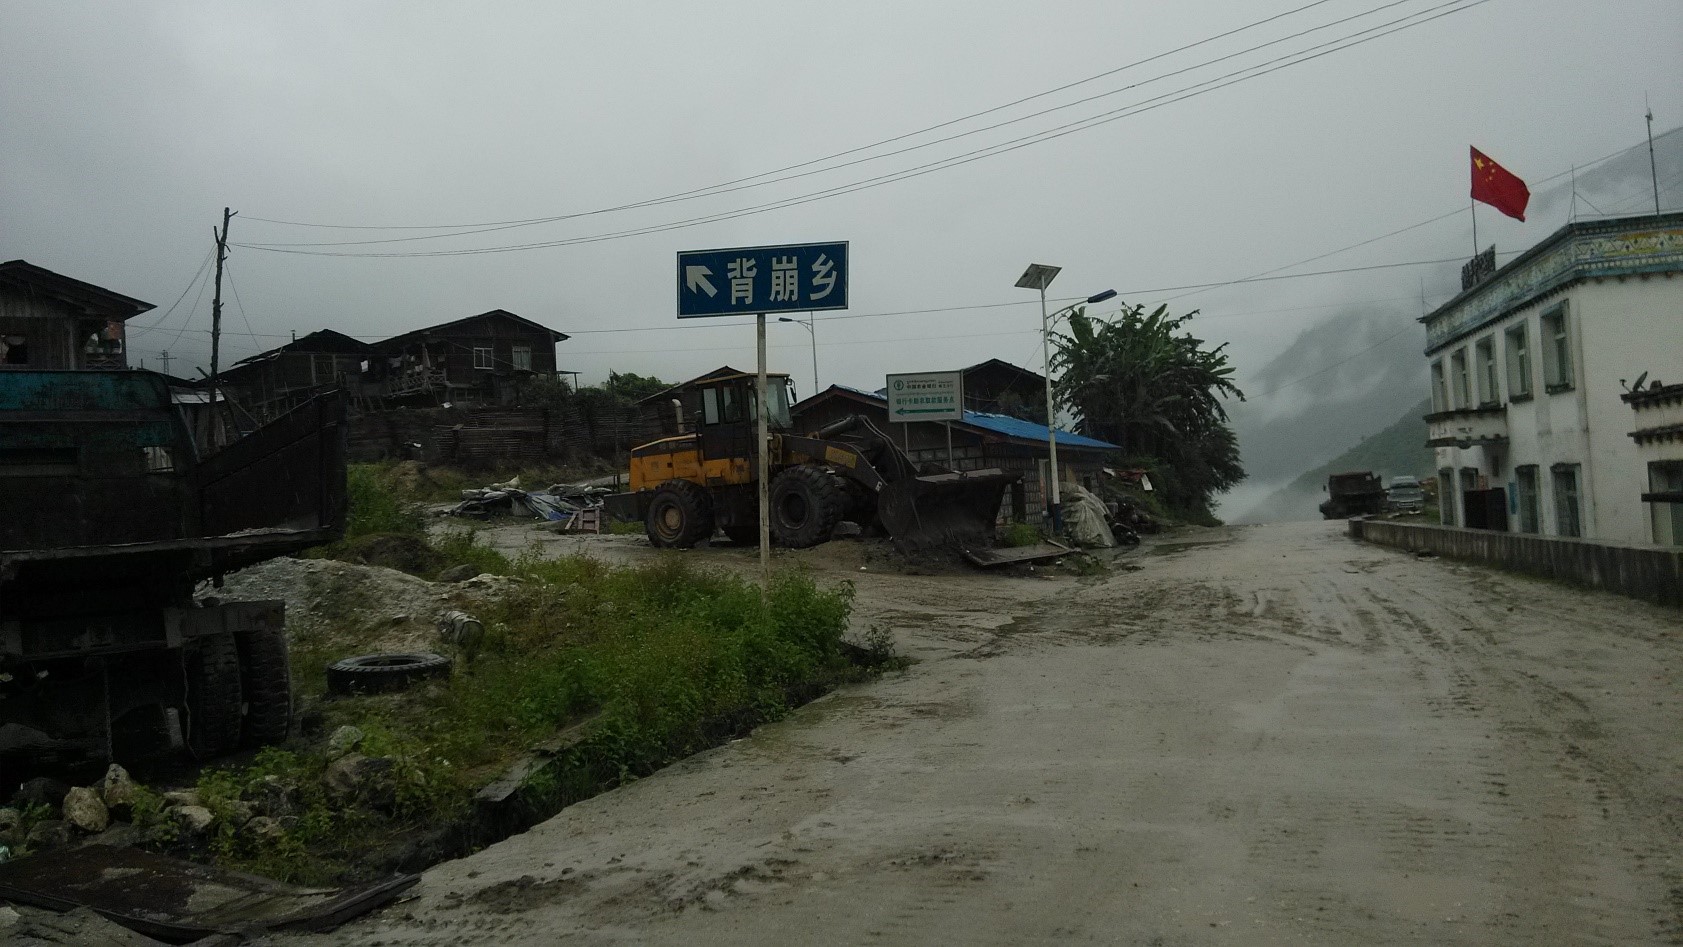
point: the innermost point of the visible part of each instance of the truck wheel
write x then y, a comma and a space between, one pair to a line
213, 695
378, 673
680, 515
266, 680
806, 504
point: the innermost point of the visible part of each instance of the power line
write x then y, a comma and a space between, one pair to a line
840, 154
178, 299
737, 186
1250, 72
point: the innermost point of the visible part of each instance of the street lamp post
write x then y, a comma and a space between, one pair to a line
807, 325
1039, 276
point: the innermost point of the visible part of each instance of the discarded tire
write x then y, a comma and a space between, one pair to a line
379, 673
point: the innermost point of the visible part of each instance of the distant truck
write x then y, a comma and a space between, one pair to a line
1404, 495
1353, 494
111, 519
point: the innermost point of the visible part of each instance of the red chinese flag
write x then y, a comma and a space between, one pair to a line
1498, 187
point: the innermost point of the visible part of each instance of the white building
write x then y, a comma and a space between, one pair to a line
1531, 421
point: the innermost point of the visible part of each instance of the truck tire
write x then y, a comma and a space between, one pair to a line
214, 701
378, 673
680, 515
806, 505
266, 683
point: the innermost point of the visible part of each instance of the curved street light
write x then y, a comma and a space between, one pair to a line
807, 325
1039, 276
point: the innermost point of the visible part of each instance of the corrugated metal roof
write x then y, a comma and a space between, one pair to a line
1030, 431
1003, 424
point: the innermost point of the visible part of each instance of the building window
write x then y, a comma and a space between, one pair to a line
1525, 496
1440, 393
1489, 386
1557, 350
482, 358
1567, 506
1666, 476
1519, 362
14, 350
523, 358
1460, 378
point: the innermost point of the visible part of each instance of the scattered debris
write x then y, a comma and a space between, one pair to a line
559, 502
179, 901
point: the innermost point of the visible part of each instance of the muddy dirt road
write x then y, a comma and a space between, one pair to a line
1267, 735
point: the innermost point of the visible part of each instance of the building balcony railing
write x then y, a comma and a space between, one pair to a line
1467, 427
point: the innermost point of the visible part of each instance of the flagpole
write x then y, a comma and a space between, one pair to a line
1472, 205
1653, 172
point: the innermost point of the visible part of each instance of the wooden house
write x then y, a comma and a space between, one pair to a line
52, 321
480, 359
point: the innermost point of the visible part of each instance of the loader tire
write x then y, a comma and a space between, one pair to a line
266, 680
680, 515
214, 701
806, 504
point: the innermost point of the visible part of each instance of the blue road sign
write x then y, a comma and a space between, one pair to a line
749, 280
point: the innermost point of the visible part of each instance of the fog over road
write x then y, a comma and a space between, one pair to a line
1261, 735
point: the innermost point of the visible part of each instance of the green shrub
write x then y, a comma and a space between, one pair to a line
1021, 534
375, 507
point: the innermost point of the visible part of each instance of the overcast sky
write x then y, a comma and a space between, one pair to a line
128, 126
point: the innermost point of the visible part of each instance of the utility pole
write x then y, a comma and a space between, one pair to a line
1653, 172
216, 310
165, 357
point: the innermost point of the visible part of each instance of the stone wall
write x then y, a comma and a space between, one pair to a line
1654, 573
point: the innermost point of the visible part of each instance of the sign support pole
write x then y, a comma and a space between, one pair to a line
951, 464
762, 458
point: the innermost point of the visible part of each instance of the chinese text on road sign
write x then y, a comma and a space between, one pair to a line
926, 396
749, 280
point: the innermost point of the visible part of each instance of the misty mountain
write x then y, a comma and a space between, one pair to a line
1338, 382
1397, 451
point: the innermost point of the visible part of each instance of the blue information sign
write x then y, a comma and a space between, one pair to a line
750, 280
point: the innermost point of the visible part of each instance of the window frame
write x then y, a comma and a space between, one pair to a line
1559, 366
1528, 499
1666, 476
1568, 501
489, 361
521, 354
1440, 386
1461, 380
1489, 376
1519, 360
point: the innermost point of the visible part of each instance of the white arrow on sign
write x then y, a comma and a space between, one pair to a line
695, 277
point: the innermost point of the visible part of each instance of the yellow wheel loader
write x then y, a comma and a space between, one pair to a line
684, 488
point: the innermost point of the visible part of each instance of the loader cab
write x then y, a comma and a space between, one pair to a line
728, 413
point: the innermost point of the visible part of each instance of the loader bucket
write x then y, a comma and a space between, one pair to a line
954, 511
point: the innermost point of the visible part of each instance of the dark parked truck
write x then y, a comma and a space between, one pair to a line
110, 518
1353, 494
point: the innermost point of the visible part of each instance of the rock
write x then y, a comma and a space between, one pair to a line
361, 778
273, 797
47, 835
192, 820
85, 810
119, 835
182, 797
118, 790
264, 829
460, 573
344, 740
240, 812
40, 791
9, 819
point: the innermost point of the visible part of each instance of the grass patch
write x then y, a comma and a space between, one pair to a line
668, 657
1020, 534
625, 528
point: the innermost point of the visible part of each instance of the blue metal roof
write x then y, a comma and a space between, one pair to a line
1004, 424
1030, 431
